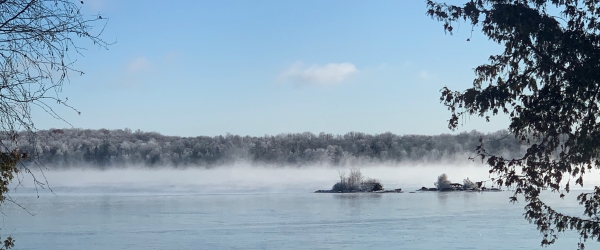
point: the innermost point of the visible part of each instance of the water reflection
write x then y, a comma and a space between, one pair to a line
356, 202
105, 204
357, 196
442, 198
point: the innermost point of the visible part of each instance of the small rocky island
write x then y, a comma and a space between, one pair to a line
445, 185
355, 182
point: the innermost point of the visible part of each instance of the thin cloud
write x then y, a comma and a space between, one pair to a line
135, 71
137, 65
426, 75
95, 5
332, 73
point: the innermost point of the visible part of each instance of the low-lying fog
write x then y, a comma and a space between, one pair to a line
249, 179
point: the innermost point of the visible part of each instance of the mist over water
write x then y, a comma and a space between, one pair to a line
245, 178
254, 207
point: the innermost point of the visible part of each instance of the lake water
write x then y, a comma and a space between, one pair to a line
269, 208
293, 220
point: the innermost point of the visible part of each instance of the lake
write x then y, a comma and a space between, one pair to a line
249, 207
125, 218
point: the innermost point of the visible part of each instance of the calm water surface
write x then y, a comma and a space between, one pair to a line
294, 220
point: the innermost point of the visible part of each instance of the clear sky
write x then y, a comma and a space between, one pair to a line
261, 67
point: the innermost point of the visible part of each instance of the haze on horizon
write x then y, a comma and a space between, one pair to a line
210, 68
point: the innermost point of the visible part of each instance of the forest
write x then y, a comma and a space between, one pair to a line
101, 149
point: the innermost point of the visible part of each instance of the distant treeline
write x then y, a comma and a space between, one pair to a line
115, 148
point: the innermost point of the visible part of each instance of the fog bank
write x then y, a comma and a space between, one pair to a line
248, 179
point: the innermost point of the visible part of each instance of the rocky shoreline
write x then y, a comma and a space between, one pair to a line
355, 182
397, 190
483, 189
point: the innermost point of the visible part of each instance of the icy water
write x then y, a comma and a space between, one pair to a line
135, 219
244, 207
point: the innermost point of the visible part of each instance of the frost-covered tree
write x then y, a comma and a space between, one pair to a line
111, 148
468, 184
356, 182
442, 182
39, 43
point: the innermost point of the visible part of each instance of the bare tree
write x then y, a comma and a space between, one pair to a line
442, 182
355, 179
350, 183
468, 184
39, 43
342, 176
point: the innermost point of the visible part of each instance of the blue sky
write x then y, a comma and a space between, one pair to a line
194, 68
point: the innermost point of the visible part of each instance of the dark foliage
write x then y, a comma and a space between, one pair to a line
547, 82
340, 187
377, 187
